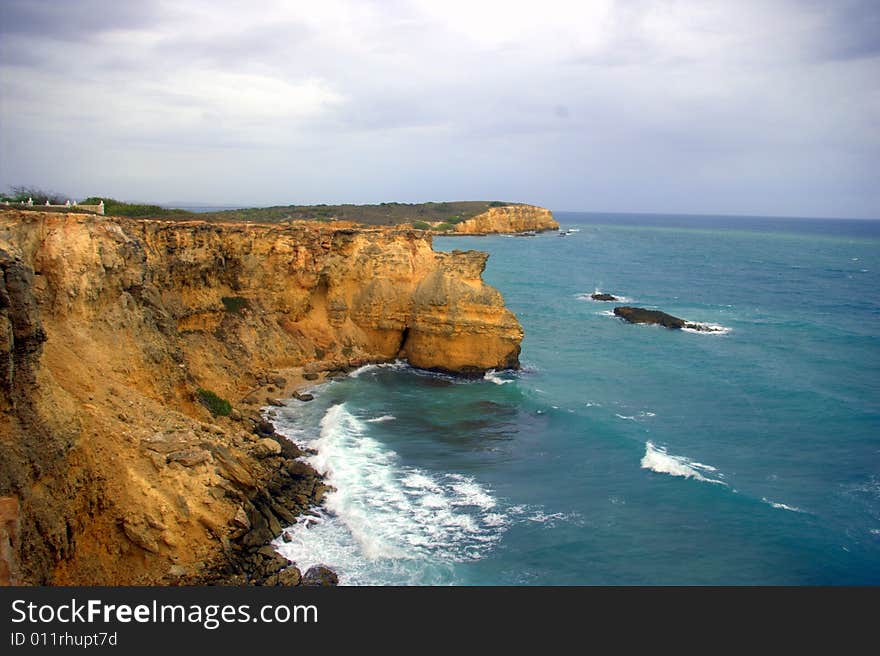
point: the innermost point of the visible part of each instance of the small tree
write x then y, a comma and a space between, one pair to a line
20, 193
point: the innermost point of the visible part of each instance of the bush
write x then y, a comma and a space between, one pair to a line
234, 304
445, 227
497, 203
113, 207
214, 403
39, 196
421, 225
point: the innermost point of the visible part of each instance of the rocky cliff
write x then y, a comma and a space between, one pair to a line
112, 471
507, 219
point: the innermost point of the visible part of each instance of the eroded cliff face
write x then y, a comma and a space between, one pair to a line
112, 472
510, 218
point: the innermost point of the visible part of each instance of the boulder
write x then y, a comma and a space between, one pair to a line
267, 447
188, 457
264, 427
641, 315
320, 576
289, 577
597, 296
302, 396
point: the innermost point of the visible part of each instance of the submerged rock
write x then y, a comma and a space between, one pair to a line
641, 315
597, 296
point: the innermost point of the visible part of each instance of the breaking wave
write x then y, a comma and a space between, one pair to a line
657, 459
385, 522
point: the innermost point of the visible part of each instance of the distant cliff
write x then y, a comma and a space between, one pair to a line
111, 470
508, 219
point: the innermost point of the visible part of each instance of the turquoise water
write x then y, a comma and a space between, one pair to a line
626, 454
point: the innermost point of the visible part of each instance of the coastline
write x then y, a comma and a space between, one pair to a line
119, 332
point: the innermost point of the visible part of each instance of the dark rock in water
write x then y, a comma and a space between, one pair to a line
302, 396
278, 403
641, 315
603, 297
320, 576
286, 537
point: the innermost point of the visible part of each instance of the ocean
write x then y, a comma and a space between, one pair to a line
624, 454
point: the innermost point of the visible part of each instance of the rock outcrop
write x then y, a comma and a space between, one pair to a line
508, 219
641, 315
112, 471
601, 296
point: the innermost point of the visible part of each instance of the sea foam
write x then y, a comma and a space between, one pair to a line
780, 506
494, 377
384, 521
659, 460
706, 328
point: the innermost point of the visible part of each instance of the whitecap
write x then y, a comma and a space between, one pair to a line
379, 420
657, 459
780, 506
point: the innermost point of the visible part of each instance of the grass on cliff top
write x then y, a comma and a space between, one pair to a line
382, 214
113, 207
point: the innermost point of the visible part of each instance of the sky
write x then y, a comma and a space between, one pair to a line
722, 107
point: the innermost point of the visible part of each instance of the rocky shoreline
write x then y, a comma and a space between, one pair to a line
135, 358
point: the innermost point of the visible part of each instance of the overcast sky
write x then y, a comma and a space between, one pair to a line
738, 107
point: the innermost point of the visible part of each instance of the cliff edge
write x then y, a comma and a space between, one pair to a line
508, 219
113, 472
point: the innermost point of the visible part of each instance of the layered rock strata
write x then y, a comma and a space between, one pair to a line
112, 471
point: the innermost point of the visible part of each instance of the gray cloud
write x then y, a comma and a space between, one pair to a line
74, 21
749, 107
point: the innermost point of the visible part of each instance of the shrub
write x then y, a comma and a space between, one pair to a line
113, 207
234, 304
445, 227
214, 403
497, 203
39, 196
421, 225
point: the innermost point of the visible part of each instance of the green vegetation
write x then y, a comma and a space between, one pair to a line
445, 227
234, 304
450, 212
113, 207
214, 403
420, 215
21, 193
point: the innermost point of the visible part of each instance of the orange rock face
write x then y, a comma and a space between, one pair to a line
109, 325
507, 219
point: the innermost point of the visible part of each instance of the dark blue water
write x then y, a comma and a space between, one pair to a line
627, 454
